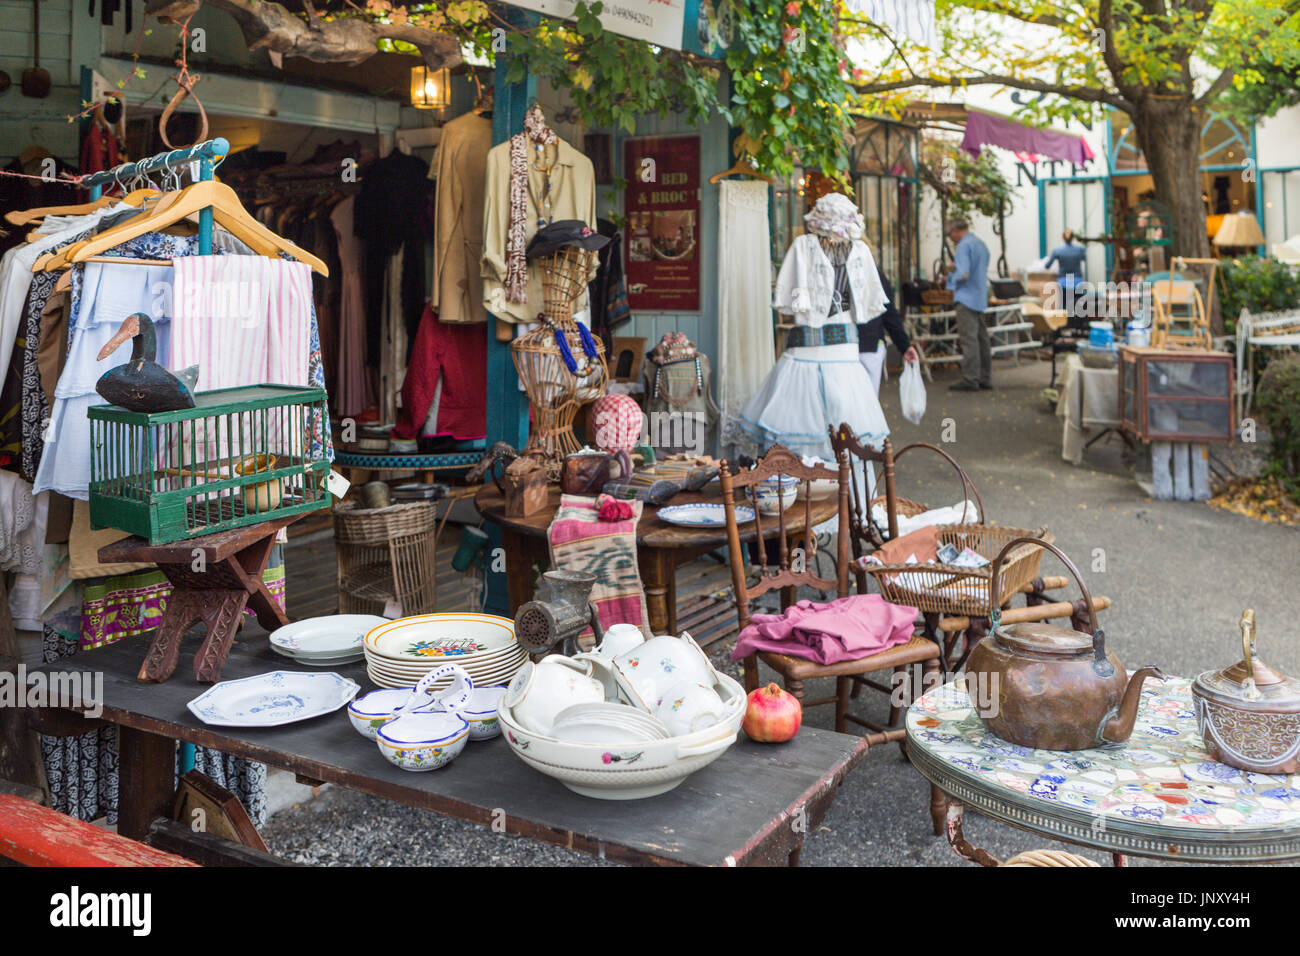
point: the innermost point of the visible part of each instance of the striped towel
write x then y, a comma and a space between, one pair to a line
580, 541
244, 320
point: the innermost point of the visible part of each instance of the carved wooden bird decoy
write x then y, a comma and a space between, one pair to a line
142, 385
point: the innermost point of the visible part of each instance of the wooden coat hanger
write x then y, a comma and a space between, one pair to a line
741, 168
227, 211
21, 217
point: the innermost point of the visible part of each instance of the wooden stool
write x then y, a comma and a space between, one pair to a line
213, 577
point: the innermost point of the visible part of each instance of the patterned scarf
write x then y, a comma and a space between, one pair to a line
535, 130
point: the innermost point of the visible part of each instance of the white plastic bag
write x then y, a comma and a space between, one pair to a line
911, 392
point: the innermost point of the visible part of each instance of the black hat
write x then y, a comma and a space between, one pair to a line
566, 232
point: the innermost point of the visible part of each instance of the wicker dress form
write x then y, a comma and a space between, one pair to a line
555, 392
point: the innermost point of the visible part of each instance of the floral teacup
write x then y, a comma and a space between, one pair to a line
646, 672
619, 639
540, 691
687, 707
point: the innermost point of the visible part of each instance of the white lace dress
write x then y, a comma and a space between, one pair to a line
818, 381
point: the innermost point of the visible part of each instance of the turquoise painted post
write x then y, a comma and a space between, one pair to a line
1259, 188
507, 406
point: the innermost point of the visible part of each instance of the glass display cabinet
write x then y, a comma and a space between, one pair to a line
1176, 395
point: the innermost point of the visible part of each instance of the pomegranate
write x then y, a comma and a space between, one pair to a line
772, 716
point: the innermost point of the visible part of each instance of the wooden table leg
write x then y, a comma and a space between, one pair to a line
958, 842
223, 619
521, 555
657, 577
147, 769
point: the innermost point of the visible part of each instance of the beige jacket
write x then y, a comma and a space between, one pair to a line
573, 196
460, 169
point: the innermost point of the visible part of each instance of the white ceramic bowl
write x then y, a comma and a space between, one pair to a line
481, 714
632, 771
371, 711
645, 673
424, 741
540, 691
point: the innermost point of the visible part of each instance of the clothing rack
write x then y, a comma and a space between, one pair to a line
207, 154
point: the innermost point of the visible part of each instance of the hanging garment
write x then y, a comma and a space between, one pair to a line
98, 150
818, 381
20, 549
452, 358
390, 215
460, 168
745, 340
568, 181
244, 320
105, 294
913, 19
607, 293
392, 357
352, 397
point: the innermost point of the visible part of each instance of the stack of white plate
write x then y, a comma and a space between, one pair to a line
399, 653
325, 641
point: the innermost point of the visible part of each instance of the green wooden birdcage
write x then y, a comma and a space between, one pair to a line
239, 457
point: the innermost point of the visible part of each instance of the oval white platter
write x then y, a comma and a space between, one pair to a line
703, 515
269, 700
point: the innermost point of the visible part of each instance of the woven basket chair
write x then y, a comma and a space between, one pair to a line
940, 588
386, 554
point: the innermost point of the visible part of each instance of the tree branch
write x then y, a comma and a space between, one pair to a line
1085, 93
1218, 86
349, 40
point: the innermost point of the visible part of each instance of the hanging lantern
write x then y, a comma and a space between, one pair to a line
430, 89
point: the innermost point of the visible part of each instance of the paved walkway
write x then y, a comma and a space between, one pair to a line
1179, 575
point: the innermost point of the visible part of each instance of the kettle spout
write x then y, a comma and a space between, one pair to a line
1119, 725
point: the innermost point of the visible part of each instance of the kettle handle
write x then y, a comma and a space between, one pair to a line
995, 608
1248, 653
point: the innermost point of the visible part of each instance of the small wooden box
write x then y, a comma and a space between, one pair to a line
1176, 394
525, 487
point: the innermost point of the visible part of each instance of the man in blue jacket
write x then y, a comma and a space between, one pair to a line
968, 281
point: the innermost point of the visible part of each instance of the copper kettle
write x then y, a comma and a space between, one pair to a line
1249, 714
1052, 687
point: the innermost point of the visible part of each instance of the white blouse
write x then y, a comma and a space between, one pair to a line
806, 283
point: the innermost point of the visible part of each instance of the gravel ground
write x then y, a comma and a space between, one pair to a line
1179, 574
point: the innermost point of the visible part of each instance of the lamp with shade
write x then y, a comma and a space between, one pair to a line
1240, 230
430, 89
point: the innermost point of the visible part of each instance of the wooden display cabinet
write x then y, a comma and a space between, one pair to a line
1176, 394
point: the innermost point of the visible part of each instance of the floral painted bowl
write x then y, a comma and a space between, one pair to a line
424, 741
481, 714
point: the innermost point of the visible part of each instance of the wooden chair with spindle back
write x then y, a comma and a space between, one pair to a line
789, 575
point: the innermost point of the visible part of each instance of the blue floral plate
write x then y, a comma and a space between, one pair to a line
269, 700
704, 515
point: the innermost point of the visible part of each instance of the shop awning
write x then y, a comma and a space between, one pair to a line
986, 128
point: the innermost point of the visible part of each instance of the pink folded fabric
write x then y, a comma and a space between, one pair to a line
846, 629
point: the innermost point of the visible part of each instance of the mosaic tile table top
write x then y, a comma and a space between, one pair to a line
1159, 794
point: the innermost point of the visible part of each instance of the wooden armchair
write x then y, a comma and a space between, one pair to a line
788, 576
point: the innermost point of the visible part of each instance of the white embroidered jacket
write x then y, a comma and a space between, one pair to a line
806, 283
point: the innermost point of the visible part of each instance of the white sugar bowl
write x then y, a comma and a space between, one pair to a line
481, 714
687, 707
540, 691
645, 673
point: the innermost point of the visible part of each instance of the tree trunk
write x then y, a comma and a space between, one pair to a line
1169, 132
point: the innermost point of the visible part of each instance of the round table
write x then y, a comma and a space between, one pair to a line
1157, 795
661, 547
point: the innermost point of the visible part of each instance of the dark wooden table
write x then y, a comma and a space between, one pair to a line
753, 805
661, 547
213, 577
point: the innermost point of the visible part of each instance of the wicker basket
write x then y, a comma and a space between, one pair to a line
386, 554
947, 589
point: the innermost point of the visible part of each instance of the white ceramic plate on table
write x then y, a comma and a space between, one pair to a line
452, 638
321, 661
269, 700
703, 515
339, 635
